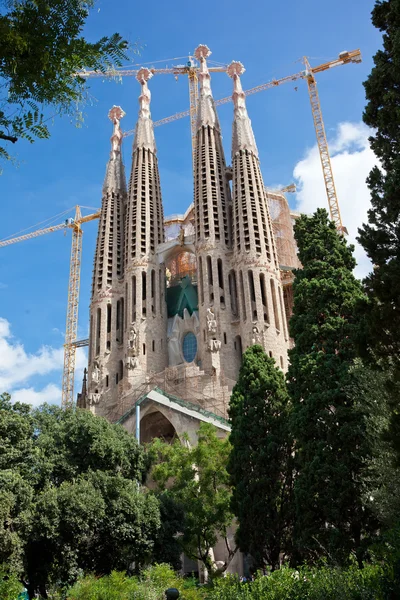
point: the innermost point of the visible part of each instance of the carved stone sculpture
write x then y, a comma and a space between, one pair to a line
132, 338
211, 321
214, 345
256, 338
96, 373
94, 398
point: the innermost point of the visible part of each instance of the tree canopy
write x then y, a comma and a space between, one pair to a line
197, 480
260, 462
41, 50
70, 496
328, 421
381, 235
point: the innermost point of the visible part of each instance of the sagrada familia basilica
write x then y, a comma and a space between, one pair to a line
176, 301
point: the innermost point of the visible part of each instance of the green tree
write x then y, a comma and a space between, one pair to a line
41, 49
197, 480
70, 496
260, 462
328, 423
381, 235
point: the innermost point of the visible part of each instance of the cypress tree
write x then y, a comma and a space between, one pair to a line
260, 460
380, 237
328, 423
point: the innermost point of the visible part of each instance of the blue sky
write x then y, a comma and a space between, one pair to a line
68, 169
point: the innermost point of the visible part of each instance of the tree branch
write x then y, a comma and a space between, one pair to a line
8, 138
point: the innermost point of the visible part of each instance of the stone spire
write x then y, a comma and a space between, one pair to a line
144, 132
145, 307
206, 113
212, 205
260, 299
242, 133
108, 257
105, 336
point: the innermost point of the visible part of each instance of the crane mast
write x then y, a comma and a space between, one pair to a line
71, 330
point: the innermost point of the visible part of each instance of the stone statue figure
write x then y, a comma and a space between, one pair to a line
132, 338
211, 321
255, 335
96, 372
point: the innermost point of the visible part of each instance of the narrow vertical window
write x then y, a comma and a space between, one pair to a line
221, 282
133, 299
153, 291
210, 278
144, 283
283, 315
201, 289
242, 295
120, 370
264, 300
91, 337
98, 330
153, 346
252, 296
233, 293
108, 318
122, 322
161, 291
144, 349
275, 305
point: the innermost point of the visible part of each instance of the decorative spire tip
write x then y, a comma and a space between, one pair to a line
116, 114
143, 75
202, 52
235, 68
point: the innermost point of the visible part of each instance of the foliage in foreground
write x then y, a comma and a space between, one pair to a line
323, 583
151, 585
70, 498
328, 422
41, 49
200, 486
260, 462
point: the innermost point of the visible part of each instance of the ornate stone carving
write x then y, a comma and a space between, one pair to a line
132, 362
96, 372
94, 398
211, 321
255, 335
214, 345
132, 337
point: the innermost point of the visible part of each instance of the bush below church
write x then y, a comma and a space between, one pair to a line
374, 582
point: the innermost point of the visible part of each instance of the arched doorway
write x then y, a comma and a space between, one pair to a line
155, 425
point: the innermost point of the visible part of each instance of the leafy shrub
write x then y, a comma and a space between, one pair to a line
314, 584
10, 586
151, 585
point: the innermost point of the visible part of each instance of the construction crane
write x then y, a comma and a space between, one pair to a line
71, 330
190, 69
308, 74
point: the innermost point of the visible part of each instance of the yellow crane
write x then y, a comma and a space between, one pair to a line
71, 330
344, 58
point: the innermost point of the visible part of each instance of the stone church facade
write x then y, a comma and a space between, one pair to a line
176, 301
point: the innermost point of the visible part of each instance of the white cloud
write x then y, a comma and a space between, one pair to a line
17, 368
50, 394
352, 159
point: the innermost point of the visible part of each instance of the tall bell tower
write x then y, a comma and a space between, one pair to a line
260, 298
